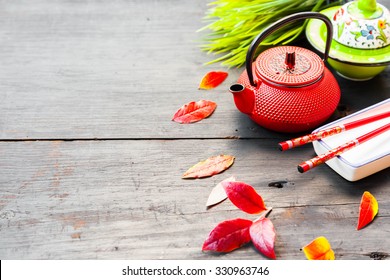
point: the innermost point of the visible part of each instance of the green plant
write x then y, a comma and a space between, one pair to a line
233, 24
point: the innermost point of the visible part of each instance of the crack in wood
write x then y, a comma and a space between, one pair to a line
378, 255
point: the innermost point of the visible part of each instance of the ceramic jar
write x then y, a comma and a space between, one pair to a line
362, 24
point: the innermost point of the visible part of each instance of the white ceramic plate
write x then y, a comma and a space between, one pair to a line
365, 159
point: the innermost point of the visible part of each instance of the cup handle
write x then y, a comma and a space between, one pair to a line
279, 24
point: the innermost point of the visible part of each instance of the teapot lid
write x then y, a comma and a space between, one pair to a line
289, 66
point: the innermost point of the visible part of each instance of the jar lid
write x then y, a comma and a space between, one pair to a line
289, 66
362, 25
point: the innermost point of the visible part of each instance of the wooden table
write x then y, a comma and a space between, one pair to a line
91, 163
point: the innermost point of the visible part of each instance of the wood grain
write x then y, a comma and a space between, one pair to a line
120, 69
91, 163
107, 199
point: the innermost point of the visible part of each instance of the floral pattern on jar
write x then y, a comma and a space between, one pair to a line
361, 33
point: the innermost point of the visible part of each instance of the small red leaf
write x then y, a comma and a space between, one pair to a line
319, 249
262, 233
209, 167
194, 111
228, 236
367, 210
244, 197
218, 193
212, 79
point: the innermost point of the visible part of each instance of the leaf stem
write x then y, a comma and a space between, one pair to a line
264, 214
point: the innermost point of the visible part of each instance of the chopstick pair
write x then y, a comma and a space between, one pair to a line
309, 164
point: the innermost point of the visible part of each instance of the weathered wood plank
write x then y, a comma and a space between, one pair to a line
119, 69
126, 200
106, 69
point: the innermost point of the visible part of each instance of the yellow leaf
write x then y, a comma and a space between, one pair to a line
319, 249
209, 167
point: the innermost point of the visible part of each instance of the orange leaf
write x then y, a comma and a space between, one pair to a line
367, 210
212, 79
262, 233
319, 249
209, 167
228, 236
194, 111
244, 197
218, 193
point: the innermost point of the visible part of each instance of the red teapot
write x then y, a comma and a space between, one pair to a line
287, 88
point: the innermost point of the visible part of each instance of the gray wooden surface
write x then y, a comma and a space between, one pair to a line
91, 163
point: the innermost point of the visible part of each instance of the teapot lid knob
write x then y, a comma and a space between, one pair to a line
290, 60
289, 66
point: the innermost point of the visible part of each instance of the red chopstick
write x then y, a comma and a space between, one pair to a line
296, 142
309, 164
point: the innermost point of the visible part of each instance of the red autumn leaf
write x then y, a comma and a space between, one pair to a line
228, 236
367, 210
218, 193
319, 249
262, 233
194, 111
212, 79
244, 197
209, 167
